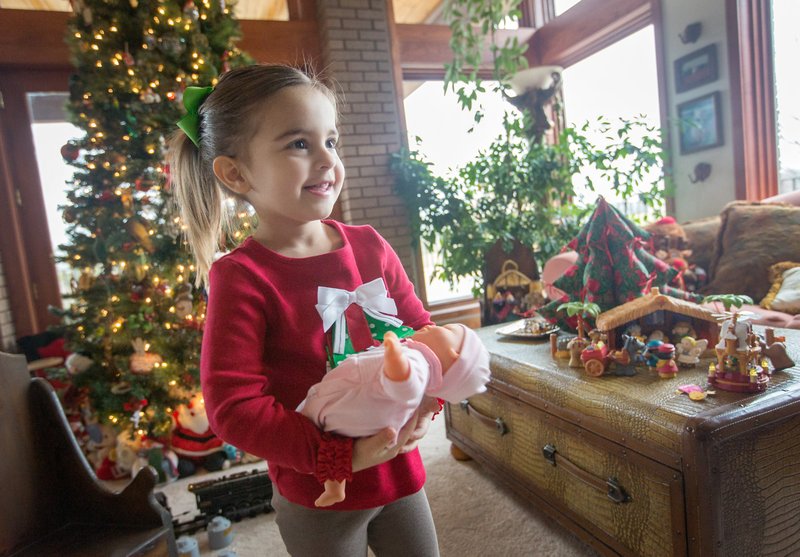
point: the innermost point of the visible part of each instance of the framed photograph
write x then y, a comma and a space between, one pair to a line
696, 68
700, 123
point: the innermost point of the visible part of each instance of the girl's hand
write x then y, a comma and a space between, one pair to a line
383, 446
427, 409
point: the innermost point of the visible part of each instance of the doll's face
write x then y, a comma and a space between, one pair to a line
443, 341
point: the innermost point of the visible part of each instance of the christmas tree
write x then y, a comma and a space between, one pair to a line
133, 317
613, 267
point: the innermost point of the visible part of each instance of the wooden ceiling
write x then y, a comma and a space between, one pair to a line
406, 11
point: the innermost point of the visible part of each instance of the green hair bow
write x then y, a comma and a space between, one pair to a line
193, 97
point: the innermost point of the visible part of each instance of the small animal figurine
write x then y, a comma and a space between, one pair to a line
689, 351
626, 358
666, 367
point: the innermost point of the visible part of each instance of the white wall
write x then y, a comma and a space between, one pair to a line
702, 198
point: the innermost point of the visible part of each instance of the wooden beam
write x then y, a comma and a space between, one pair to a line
586, 28
288, 42
35, 39
424, 49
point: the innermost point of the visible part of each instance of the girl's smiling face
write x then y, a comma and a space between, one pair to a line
290, 172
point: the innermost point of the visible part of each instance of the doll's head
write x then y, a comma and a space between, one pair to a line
464, 360
444, 341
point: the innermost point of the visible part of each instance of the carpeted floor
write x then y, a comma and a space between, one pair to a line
475, 515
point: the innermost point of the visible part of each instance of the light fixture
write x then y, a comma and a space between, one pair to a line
534, 88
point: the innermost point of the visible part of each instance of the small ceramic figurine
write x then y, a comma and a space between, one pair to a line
689, 351
666, 367
680, 330
657, 335
650, 353
575, 347
635, 330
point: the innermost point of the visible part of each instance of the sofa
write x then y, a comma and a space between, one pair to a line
753, 248
750, 248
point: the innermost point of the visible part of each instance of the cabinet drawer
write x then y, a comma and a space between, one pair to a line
629, 502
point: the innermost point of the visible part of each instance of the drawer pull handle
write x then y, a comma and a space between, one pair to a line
610, 487
496, 423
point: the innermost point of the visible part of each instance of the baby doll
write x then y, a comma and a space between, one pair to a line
382, 387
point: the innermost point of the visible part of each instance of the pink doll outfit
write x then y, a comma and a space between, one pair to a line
356, 399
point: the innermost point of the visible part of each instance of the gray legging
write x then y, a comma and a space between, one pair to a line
403, 529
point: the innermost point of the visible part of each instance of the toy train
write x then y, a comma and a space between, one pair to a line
241, 495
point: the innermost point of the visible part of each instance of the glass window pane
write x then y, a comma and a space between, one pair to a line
786, 42
445, 142
562, 6
50, 133
600, 86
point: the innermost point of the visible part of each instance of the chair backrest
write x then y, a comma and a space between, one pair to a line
19, 508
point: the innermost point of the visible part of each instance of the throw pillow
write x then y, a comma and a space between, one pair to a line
784, 295
702, 237
752, 237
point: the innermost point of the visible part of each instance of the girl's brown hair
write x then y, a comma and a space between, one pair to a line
227, 123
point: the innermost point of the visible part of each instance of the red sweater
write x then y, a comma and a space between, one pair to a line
263, 347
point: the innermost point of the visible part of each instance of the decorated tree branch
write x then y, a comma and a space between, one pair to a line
132, 314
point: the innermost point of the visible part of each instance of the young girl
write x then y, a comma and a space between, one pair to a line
267, 135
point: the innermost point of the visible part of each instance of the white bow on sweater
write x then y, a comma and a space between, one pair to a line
373, 299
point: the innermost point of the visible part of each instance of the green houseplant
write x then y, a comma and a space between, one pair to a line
518, 189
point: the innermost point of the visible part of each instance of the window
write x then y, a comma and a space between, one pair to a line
442, 127
599, 86
785, 43
50, 133
562, 6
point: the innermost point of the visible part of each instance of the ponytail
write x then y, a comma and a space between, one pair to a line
200, 201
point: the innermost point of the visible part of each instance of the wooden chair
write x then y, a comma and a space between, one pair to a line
51, 502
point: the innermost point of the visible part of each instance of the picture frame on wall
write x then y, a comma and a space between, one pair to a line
700, 123
696, 68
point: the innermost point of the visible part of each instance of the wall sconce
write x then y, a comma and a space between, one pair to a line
691, 33
702, 170
534, 88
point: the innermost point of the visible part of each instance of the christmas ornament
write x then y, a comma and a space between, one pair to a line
77, 363
138, 230
86, 279
142, 362
120, 388
70, 152
172, 45
68, 215
191, 11
148, 96
127, 57
184, 302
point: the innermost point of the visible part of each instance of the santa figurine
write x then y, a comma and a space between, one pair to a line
194, 442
